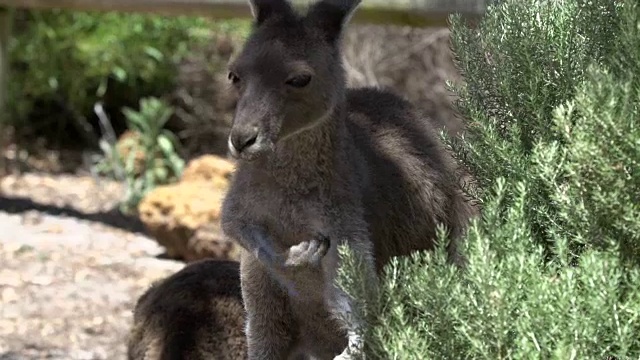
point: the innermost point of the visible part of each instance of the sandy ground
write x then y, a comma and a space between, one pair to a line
71, 268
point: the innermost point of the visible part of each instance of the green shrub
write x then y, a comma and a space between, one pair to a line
147, 157
72, 59
529, 61
552, 100
526, 60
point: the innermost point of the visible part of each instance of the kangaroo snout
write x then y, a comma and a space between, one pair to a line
246, 142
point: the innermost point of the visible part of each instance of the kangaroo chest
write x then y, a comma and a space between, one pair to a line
290, 218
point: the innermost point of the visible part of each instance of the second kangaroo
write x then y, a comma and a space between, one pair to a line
321, 165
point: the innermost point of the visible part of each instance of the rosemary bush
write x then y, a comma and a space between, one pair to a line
552, 104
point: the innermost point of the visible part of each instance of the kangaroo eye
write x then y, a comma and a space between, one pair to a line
233, 77
299, 81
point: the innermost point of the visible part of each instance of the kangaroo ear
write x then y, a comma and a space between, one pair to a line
261, 10
330, 16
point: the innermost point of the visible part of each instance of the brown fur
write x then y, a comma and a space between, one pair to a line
194, 314
359, 167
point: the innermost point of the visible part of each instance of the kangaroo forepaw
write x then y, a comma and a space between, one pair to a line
354, 349
348, 355
308, 252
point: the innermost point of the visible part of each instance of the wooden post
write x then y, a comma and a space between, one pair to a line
5, 36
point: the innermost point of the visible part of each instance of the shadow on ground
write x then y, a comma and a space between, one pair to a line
113, 218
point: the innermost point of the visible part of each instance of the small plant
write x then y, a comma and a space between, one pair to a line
145, 156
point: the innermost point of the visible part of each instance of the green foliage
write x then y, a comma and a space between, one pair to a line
73, 58
145, 159
598, 182
525, 60
509, 303
552, 99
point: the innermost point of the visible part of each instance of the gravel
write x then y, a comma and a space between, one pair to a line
71, 268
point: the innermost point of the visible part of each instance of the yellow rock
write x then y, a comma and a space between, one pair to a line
185, 217
209, 168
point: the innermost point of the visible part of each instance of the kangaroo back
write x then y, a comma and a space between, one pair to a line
194, 314
416, 183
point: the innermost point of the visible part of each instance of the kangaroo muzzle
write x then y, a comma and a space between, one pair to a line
243, 138
247, 142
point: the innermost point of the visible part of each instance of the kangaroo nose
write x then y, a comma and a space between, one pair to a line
241, 139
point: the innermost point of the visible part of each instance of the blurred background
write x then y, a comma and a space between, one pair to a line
113, 157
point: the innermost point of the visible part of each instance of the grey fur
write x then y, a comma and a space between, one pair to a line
196, 314
359, 167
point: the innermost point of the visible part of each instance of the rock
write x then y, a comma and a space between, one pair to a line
185, 217
210, 168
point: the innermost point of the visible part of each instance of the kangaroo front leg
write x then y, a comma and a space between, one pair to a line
262, 246
257, 241
343, 308
270, 325
342, 305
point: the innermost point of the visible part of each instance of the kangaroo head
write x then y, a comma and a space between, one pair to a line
288, 75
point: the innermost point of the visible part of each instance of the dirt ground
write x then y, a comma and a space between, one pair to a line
71, 268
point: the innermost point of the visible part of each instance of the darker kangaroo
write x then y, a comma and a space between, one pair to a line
320, 165
194, 314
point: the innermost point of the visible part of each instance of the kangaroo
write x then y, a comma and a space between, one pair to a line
319, 165
196, 313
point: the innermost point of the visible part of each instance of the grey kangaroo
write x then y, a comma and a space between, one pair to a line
196, 314
320, 165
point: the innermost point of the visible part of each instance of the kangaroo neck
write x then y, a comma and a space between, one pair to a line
307, 160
